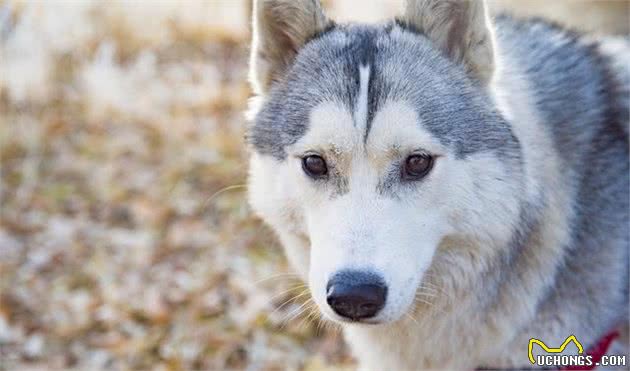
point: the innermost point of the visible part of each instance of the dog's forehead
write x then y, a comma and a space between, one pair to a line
338, 132
363, 70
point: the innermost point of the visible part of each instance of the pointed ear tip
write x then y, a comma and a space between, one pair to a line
279, 29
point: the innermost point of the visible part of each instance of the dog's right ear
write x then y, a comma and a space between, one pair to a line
280, 28
460, 28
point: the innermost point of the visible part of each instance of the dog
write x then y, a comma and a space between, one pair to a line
449, 185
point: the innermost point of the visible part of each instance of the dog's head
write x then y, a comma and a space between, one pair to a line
372, 145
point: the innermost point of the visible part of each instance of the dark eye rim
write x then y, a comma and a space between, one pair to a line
414, 177
308, 172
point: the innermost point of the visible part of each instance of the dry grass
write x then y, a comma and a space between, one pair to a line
125, 237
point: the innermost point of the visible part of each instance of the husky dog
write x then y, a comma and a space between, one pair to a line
448, 186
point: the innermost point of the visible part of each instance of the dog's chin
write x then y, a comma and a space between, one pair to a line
358, 322
380, 320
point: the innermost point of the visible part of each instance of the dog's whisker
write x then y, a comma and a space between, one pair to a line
311, 316
284, 292
332, 326
304, 292
315, 317
300, 310
276, 276
294, 314
307, 320
420, 300
221, 191
413, 319
323, 326
425, 287
301, 306
435, 288
429, 298
429, 284
427, 290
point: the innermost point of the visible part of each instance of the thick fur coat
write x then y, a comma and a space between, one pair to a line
520, 228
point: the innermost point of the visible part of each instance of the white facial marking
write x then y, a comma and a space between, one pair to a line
330, 129
397, 123
360, 114
362, 229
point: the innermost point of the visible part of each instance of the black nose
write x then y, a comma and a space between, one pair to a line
356, 294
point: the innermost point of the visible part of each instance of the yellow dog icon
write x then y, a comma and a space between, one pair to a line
560, 349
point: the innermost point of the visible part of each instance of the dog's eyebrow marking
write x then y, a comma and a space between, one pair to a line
361, 105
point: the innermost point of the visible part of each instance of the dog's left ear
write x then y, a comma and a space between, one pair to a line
460, 28
280, 28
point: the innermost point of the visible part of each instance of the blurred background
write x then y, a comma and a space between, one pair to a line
126, 241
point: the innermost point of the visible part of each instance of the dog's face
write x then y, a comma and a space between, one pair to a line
370, 148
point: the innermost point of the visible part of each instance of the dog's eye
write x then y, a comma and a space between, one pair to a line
417, 166
314, 166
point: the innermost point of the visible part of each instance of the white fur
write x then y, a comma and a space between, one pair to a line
360, 116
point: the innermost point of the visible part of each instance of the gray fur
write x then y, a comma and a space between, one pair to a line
450, 104
579, 98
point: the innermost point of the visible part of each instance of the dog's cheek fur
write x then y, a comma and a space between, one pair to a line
483, 199
272, 198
